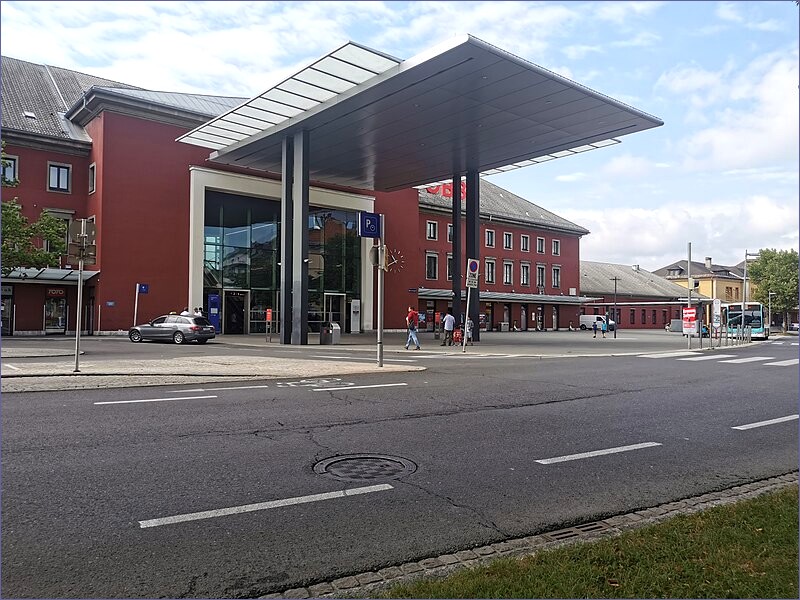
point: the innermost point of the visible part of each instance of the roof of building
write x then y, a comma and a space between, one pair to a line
36, 97
499, 204
597, 278
700, 270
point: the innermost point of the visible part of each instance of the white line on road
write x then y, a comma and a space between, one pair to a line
558, 459
783, 363
362, 358
669, 355
154, 400
356, 387
238, 387
709, 357
12, 367
223, 512
738, 361
763, 423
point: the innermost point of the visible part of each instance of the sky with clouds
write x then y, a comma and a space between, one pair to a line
722, 173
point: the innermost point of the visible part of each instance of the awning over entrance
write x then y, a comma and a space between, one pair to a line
439, 294
463, 106
60, 276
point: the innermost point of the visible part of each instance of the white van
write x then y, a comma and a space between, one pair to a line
587, 320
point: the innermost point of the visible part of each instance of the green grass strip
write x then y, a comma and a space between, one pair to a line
744, 550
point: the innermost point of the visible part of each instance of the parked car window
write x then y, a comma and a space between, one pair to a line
173, 319
202, 321
159, 320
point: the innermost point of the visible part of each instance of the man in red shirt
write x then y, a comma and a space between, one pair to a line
412, 320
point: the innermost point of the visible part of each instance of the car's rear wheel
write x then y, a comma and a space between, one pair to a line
178, 337
135, 336
583, 327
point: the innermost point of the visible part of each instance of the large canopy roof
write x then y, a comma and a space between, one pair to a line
380, 124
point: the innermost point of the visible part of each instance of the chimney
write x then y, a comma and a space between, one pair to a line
635, 267
708, 263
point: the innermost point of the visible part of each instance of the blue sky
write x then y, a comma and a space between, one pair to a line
721, 173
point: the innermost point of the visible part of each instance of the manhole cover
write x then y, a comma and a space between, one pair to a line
365, 467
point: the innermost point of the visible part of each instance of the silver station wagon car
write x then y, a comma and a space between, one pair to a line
174, 328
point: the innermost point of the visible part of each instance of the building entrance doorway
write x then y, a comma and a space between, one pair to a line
523, 317
8, 315
233, 310
555, 318
334, 309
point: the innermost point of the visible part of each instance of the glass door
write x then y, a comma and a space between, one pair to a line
55, 315
8, 315
334, 309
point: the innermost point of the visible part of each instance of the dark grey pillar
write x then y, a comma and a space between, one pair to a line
287, 235
473, 244
300, 240
458, 259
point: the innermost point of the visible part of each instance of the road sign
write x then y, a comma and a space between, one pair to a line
716, 314
472, 273
690, 320
144, 288
369, 224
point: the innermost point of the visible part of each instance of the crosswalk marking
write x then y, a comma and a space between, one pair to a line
669, 355
783, 363
709, 357
747, 360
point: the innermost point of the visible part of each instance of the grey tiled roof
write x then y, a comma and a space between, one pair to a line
211, 106
45, 92
498, 203
597, 279
700, 270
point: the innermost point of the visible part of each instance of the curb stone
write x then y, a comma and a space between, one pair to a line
366, 584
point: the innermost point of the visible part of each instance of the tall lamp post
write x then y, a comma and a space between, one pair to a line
744, 286
616, 318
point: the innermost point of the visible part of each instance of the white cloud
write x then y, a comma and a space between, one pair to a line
580, 51
728, 11
621, 12
571, 177
627, 166
643, 38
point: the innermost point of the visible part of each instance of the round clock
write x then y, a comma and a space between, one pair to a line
395, 262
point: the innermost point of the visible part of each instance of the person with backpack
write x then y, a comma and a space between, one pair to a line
412, 320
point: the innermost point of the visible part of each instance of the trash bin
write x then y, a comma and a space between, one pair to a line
330, 333
336, 333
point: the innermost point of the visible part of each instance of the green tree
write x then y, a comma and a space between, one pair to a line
23, 244
776, 271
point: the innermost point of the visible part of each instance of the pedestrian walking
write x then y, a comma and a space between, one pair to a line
412, 320
449, 325
468, 331
594, 329
604, 328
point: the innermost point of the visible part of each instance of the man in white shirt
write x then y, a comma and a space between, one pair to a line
449, 323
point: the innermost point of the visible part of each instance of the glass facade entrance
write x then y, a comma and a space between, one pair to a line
242, 254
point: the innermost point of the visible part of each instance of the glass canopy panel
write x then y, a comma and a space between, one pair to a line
233, 127
293, 101
324, 80
344, 70
260, 113
246, 120
364, 58
281, 111
307, 90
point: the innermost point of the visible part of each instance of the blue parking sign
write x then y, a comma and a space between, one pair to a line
144, 288
369, 225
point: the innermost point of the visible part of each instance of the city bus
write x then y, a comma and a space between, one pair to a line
755, 317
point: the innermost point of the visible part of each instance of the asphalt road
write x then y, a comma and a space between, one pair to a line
497, 448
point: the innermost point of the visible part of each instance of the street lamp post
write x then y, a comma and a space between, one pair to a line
616, 318
744, 283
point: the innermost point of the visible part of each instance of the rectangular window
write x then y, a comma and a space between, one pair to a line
508, 273
556, 277
92, 177
664, 316
431, 266
449, 267
556, 248
525, 243
449, 232
525, 274
66, 217
540, 245
489, 271
633, 316
540, 276
490, 238
10, 170
58, 179
433, 230
507, 237
644, 316
654, 317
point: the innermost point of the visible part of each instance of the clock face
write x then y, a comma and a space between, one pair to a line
395, 262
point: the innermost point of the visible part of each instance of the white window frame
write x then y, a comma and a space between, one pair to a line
508, 272
489, 275
449, 232
489, 233
433, 255
525, 274
556, 274
13, 167
64, 215
449, 267
58, 165
540, 245
556, 247
541, 270
525, 243
92, 178
508, 240
431, 230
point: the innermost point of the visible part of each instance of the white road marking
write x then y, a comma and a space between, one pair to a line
669, 355
764, 423
12, 367
357, 387
777, 343
155, 400
783, 363
709, 357
238, 387
558, 459
738, 361
223, 512
363, 358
